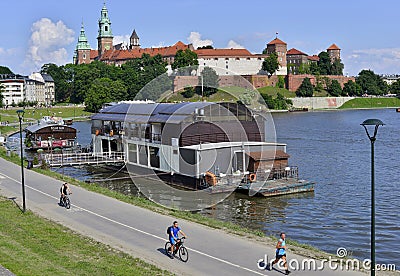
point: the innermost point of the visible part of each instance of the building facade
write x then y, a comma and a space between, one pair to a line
280, 48
231, 61
36, 87
13, 89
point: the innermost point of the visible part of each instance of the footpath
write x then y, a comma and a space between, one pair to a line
141, 232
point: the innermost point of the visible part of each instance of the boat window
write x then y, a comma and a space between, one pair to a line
132, 153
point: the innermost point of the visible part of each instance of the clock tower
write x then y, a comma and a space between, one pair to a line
105, 37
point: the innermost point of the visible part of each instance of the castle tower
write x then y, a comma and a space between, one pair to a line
280, 48
82, 50
105, 37
334, 52
134, 41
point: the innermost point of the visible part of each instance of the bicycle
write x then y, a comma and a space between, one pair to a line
179, 248
65, 201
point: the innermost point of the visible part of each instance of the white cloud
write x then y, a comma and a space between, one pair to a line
47, 43
234, 45
121, 39
195, 39
380, 60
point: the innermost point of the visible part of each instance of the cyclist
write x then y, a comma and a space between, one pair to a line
64, 190
173, 232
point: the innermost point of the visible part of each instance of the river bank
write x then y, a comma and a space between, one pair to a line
141, 232
230, 228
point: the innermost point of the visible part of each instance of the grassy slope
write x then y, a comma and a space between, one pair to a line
31, 114
371, 103
273, 91
30, 245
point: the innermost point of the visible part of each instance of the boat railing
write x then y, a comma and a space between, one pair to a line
291, 172
65, 159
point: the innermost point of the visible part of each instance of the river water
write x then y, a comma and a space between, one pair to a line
331, 149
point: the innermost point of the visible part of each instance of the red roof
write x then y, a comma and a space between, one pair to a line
223, 52
294, 51
276, 41
112, 55
93, 54
313, 58
333, 47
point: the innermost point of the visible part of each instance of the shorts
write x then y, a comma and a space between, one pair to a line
172, 240
277, 256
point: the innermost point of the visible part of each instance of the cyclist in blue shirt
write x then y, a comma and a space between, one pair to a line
174, 230
280, 253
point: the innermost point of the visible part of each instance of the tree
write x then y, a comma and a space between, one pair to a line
104, 90
395, 88
281, 82
188, 92
337, 68
314, 69
271, 64
335, 89
5, 70
324, 63
304, 68
371, 83
209, 80
185, 58
306, 89
352, 88
205, 47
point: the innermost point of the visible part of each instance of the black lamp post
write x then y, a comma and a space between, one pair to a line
20, 117
372, 124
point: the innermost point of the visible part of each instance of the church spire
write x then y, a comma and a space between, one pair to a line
105, 37
82, 50
82, 40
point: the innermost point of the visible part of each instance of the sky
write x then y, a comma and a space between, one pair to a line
37, 32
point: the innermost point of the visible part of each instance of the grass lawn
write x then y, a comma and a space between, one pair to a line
38, 113
30, 245
273, 91
31, 114
371, 103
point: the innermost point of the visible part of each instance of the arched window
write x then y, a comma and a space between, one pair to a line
106, 28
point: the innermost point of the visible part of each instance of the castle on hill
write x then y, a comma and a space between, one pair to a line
224, 61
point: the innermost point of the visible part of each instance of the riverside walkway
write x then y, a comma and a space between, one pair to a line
141, 232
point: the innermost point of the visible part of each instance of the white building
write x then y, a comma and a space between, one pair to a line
44, 88
13, 89
35, 88
231, 61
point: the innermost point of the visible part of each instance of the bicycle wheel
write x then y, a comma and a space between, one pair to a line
67, 203
183, 254
167, 248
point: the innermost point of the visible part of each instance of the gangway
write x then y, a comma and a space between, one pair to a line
80, 159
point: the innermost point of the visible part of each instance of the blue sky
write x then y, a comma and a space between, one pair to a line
37, 32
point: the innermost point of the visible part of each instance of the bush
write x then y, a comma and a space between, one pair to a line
35, 160
188, 92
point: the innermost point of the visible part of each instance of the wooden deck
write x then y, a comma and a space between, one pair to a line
277, 187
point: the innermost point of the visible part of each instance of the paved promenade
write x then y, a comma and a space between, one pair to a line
141, 232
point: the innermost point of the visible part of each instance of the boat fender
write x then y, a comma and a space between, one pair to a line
252, 177
211, 179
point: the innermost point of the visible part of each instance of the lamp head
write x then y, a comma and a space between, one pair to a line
372, 123
20, 113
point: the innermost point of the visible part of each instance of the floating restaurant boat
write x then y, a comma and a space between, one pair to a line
50, 132
198, 146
